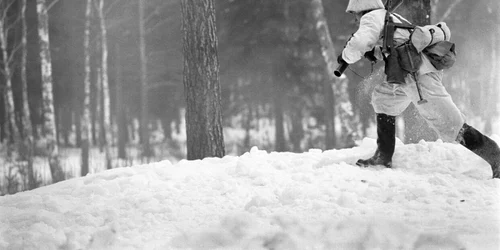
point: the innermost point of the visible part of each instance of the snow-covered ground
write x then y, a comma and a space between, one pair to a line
437, 196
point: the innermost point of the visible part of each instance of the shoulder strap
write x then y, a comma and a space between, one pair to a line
389, 27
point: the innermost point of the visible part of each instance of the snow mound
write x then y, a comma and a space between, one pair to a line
437, 196
286, 233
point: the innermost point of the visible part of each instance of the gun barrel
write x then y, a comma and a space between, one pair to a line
340, 69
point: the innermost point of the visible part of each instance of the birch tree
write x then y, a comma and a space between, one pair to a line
27, 127
343, 104
201, 80
21, 133
144, 116
492, 89
85, 121
49, 128
120, 110
7, 58
105, 85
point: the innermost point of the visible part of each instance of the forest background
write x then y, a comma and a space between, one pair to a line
276, 91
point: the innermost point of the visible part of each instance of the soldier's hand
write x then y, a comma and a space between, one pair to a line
370, 55
340, 60
375, 54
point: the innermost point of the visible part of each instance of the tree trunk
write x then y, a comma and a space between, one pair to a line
7, 72
166, 121
493, 90
421, 11
4, 134
144, 119
65, 124
98, 111
297, 131
248, 127
121, 122
344, 106
201, 80
77, 115
49, 128
279, 120
85, 121
329, 102
106, 103
26, 114
416, 128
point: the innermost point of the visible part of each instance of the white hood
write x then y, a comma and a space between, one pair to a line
357, 6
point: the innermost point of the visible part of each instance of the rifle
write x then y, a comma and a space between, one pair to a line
390, 6
390, 26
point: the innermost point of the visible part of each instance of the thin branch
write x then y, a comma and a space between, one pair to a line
2, 70
13, 53
13, 24
448, 11
7, 8
96, 5
52, 4
14, 65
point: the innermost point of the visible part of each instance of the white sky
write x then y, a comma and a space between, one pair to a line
437, 196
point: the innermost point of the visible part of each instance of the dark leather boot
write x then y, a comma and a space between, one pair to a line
386, 141
482, 146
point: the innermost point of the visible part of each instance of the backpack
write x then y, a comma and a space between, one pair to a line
425, 36
442, 55
401, 59
431, 40
434, 42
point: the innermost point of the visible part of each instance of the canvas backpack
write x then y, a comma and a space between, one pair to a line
432, 40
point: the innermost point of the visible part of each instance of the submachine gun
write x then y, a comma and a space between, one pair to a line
390, 6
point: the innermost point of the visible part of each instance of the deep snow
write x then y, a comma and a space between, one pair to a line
437, 196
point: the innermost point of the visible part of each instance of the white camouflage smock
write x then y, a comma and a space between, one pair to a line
392, 99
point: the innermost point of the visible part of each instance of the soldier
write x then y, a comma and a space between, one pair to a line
390, 100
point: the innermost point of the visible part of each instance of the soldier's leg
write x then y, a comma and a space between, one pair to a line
440, 111
444, 116
388, 100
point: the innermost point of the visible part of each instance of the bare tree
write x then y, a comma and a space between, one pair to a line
105, 85
85, 121
492, 89
201, 80
144, 120
27, 127
7, 58
49, 128
120, 110
22, 133
340, 93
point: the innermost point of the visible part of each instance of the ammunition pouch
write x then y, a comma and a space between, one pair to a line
395, 74
408, 57
402, 59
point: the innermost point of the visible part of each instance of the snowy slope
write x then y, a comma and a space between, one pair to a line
437, 196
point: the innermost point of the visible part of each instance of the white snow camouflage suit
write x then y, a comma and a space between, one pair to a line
392, 99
